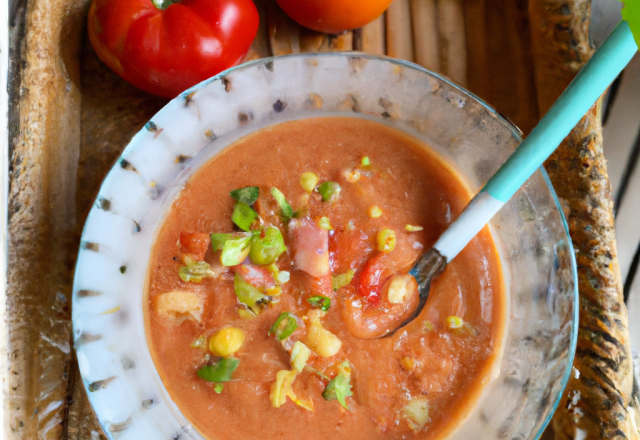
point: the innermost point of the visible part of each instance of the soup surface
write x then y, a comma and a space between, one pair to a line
277, 341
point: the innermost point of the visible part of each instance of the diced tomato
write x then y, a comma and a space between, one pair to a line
376, 272
311, 246
348, 250
195, 243
255, 275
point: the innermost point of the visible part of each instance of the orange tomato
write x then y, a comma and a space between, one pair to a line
333, 16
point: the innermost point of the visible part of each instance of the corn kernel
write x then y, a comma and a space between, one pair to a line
246, 314
408, 363
226, 342
322, 341
352, 176
375, 212
325, 223
308, 181
412, 228
283, 276
386, 240
401, 288
455, 322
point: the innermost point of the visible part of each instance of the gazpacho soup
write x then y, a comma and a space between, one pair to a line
282, 262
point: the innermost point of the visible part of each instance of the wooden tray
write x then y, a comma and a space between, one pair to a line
71, 117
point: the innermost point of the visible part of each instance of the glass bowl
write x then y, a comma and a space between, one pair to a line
537, 257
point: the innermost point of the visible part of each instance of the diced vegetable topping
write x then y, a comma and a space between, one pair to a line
200, 342
374, 275
330, 191
283, 276
284, 326
194, 272
375, 212
300, 353
220, 371
248, 194
236, 249
325, 223
244, 216
285, 207
257, 276
249, 295
342, 280
321, 302
246, 314
218, 241
411, 228
401, 287
352, 175
365, 161
428, 326
195, 243
454, 322
311, 246
226, 342
281, 389
417, 413
218, 388
340, 388
179, 305
308, 181
408, 363
386, 240
322, 341
267, 246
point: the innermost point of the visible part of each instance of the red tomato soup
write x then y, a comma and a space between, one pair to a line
264, 302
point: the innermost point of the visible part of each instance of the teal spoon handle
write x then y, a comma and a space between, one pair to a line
591, 82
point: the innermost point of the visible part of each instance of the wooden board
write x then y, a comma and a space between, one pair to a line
72, 117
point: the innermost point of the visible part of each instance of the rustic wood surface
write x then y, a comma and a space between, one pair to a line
75, 117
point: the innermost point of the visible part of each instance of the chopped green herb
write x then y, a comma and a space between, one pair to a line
321, 302
313, 370
218, 240
218, 388
365, 161
244, 216
267, 246
247, 195
284, 326
342, 280
249, 295
300, 354
285, 207
236, 249
325, 223
330, 191
339, 388
195, 272
220, 371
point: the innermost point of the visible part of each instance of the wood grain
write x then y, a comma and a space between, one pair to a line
424, 17
372, 37
453, 48
399, 34
600, 393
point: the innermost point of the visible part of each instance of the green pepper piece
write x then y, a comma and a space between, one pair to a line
342, 280
220, 371
218, 241
339, 388
330, 191
218, 388
284, 326
244, 216
285, 207
248, 194
321, 302
267, 247
195, 272
248, 294
235, 250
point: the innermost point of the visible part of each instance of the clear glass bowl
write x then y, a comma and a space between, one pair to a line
109, 298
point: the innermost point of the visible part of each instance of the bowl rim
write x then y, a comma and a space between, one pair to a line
515, 131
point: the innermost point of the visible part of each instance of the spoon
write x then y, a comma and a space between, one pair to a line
600, 71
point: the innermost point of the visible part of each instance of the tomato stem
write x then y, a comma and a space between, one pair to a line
162, 4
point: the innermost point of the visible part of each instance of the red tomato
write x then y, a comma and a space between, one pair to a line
333, 16
167, 51
348, 250
195, 243
375, 273
255, 275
